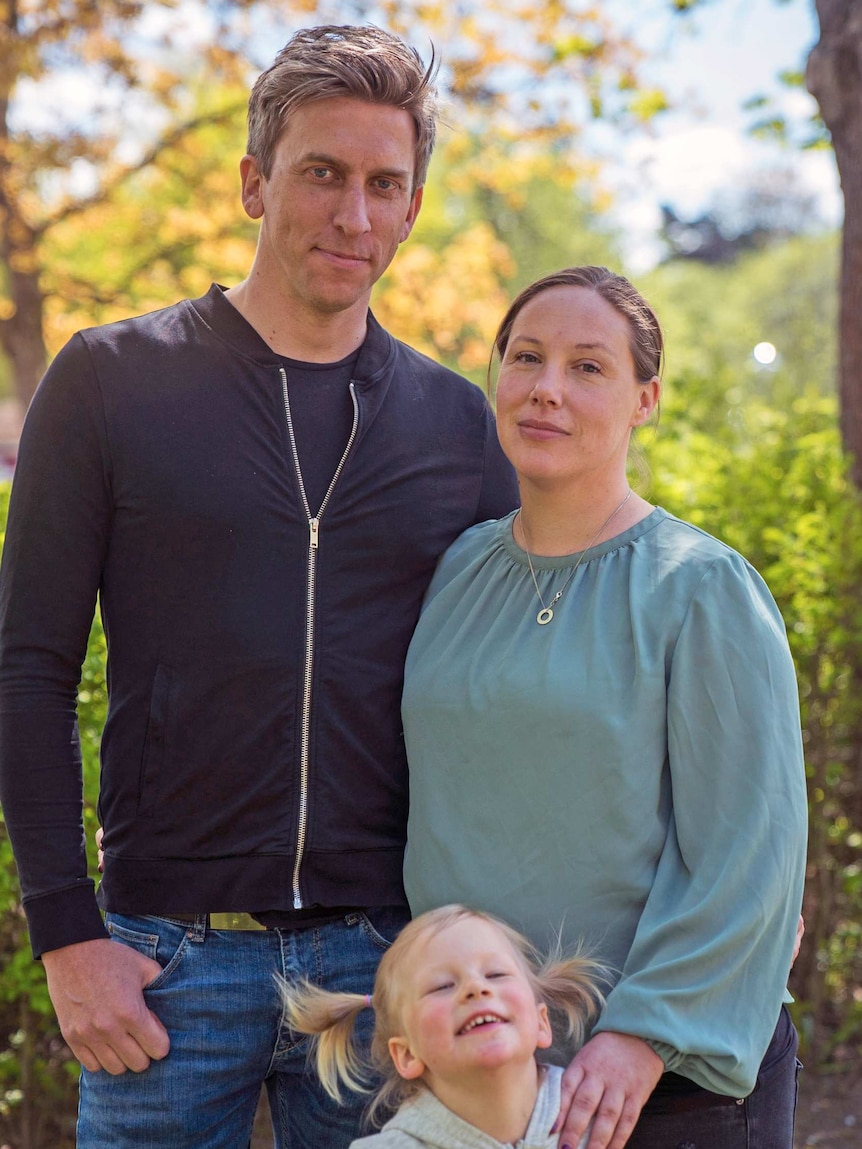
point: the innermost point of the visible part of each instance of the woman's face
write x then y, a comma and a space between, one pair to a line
567, 394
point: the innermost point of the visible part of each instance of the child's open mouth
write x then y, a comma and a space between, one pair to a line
483, 1019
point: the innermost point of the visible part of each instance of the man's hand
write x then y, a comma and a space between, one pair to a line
96, 988
608, 1083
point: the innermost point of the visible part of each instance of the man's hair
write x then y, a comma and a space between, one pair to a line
364, 63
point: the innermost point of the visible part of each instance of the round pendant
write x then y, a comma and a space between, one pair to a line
544, 616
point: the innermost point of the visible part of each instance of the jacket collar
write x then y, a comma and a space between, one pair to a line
376, 356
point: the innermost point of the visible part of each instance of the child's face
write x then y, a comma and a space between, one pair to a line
466, 1004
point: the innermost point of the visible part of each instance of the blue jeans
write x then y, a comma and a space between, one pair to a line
702, 1120
217, 998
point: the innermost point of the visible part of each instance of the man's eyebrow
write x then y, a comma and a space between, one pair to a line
333, 162
318, 158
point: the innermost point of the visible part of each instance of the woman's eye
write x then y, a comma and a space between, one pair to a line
525, 357
591, 368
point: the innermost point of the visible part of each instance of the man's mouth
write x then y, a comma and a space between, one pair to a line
345, 256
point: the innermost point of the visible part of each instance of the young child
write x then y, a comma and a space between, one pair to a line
461, 1004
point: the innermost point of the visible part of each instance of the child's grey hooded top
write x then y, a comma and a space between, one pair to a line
426, 1123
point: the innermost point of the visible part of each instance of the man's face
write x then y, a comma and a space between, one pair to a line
337, 203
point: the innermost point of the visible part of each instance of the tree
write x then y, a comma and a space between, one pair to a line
834, 77
119, 55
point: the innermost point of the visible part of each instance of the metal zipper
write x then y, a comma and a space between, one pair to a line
313, 544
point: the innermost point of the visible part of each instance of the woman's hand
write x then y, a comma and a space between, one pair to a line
800, 930
608, 1083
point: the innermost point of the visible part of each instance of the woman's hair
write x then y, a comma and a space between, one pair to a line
645, 336
567, 984
364, 63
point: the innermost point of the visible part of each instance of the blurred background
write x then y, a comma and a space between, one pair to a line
710, 149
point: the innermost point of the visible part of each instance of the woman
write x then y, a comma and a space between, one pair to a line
603, 733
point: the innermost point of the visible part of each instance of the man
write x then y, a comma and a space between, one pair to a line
257, 484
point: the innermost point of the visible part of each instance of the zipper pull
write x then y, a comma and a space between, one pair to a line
312, 530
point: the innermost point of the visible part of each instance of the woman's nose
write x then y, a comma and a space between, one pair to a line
546, 390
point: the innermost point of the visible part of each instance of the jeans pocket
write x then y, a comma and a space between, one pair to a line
381, 925
166, 947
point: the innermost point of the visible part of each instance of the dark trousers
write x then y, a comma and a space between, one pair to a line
687, 1117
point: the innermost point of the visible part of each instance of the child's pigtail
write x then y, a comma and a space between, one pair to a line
569, 985
328, 1019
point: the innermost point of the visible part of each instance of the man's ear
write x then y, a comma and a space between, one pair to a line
415, 204
252, 187
404, 1059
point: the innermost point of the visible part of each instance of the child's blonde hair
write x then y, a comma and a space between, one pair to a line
567, 984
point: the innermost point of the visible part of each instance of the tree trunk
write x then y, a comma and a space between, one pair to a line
21, 333
834, 78
22, 313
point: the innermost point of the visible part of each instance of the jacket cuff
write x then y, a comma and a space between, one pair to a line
63, 918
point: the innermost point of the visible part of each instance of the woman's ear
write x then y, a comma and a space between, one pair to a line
404, 1059
649, 394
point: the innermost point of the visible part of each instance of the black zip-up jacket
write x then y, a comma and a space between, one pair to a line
252, 758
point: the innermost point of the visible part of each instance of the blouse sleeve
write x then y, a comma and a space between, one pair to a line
708, 966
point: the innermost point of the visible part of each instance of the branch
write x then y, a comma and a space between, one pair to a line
174, 136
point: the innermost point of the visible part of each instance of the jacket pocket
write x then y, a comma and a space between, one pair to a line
153, 757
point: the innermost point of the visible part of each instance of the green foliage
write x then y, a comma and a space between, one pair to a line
713, 318
773, 483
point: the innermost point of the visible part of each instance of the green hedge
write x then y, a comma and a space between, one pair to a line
773, 484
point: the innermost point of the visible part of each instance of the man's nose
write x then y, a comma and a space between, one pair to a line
352, 216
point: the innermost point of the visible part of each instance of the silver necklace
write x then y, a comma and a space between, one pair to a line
547, 612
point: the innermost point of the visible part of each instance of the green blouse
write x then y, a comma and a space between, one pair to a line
630, 774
